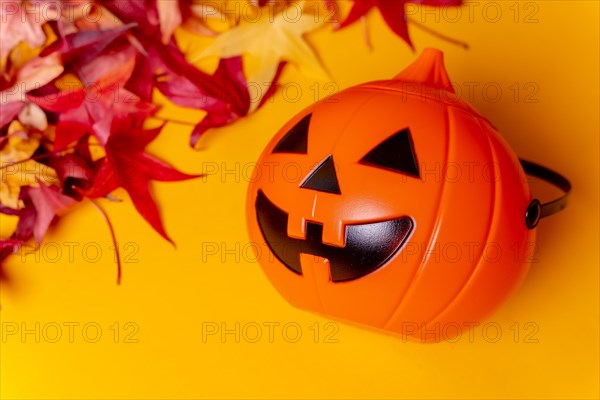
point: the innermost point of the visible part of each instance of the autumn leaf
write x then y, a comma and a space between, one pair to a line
165, 67
93, 107
19, 144
48, 203
223, 95
84, 15
22, 21
234, 101
146, 15
79, 48
77, 164
393, 13
9, 111
17, 169
231, 70
159, 58
156, 57
27, 217
40, 206
33, 75
26, 72
126, 165
17, 58
270, 43
229, 81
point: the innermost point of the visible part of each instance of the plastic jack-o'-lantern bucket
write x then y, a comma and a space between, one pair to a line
365, 234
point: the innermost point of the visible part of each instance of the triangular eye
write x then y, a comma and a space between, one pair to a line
396, 153
296, 140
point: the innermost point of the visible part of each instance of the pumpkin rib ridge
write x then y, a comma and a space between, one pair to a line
493, 216
435, 228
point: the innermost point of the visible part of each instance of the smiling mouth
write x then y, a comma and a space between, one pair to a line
367, 248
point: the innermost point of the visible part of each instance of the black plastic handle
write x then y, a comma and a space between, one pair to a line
537, 210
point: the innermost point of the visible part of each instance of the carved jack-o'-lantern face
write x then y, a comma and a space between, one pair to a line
407, 211
366, 245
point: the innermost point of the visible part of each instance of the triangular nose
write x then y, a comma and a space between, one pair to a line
323, 178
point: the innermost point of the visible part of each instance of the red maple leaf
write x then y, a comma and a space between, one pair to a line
126, 165
92, 108
81, 47
48, 203
40, 205
223, 95
393, 13
226, 98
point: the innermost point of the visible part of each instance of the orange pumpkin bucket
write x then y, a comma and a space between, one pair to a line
410, 212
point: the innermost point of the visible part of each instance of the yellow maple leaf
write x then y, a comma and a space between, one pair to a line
269, 40
17, 169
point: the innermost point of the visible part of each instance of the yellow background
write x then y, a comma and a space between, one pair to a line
171, 292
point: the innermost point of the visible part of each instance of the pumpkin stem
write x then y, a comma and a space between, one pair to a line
428, 69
